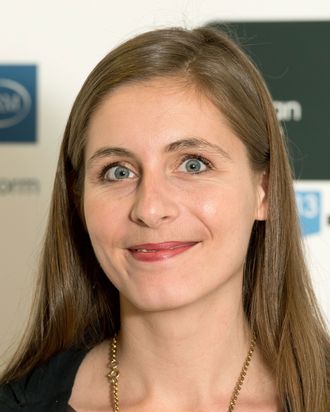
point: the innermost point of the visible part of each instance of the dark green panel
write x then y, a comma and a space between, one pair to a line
294, 58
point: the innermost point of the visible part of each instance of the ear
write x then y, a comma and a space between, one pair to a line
262, 196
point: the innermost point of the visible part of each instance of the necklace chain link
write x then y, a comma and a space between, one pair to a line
113, 375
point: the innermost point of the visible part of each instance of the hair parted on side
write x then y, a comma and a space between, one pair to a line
76, 304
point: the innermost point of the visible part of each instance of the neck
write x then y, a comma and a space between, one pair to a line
186, 355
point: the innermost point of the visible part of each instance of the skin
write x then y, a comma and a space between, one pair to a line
184, 336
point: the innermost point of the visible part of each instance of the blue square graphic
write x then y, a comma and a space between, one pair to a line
18, 103
309, 207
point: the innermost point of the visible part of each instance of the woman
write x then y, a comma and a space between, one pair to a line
170, 277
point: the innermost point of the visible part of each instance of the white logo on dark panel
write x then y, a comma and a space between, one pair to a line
288, 110
15, 103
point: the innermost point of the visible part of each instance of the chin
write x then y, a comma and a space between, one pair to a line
158, 302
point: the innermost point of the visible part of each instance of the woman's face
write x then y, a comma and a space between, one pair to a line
169, 195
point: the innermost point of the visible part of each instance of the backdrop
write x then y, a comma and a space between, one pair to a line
46, 51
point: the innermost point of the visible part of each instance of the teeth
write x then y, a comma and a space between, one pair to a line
155, 250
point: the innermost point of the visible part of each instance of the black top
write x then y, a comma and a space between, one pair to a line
46, 389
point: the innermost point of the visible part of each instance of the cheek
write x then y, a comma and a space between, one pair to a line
228, 201
102, 219
210, 207
228, 214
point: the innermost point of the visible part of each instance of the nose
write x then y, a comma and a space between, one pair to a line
154, 203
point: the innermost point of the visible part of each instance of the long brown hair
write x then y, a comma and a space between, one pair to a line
76, 304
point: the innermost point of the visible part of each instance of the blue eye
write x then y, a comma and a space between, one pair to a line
194, 165
191, 164
118, 172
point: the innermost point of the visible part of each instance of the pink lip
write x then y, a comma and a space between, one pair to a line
159, 251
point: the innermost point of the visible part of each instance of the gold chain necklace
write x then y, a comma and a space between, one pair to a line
113, 375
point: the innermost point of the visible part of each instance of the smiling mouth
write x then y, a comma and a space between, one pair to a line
159, 251
155, 247
145, 250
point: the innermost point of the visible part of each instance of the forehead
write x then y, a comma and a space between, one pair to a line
156, 113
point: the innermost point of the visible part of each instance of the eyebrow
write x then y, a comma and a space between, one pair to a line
197, 143
177, 146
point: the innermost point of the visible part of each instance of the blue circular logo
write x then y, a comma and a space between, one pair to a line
15, 103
